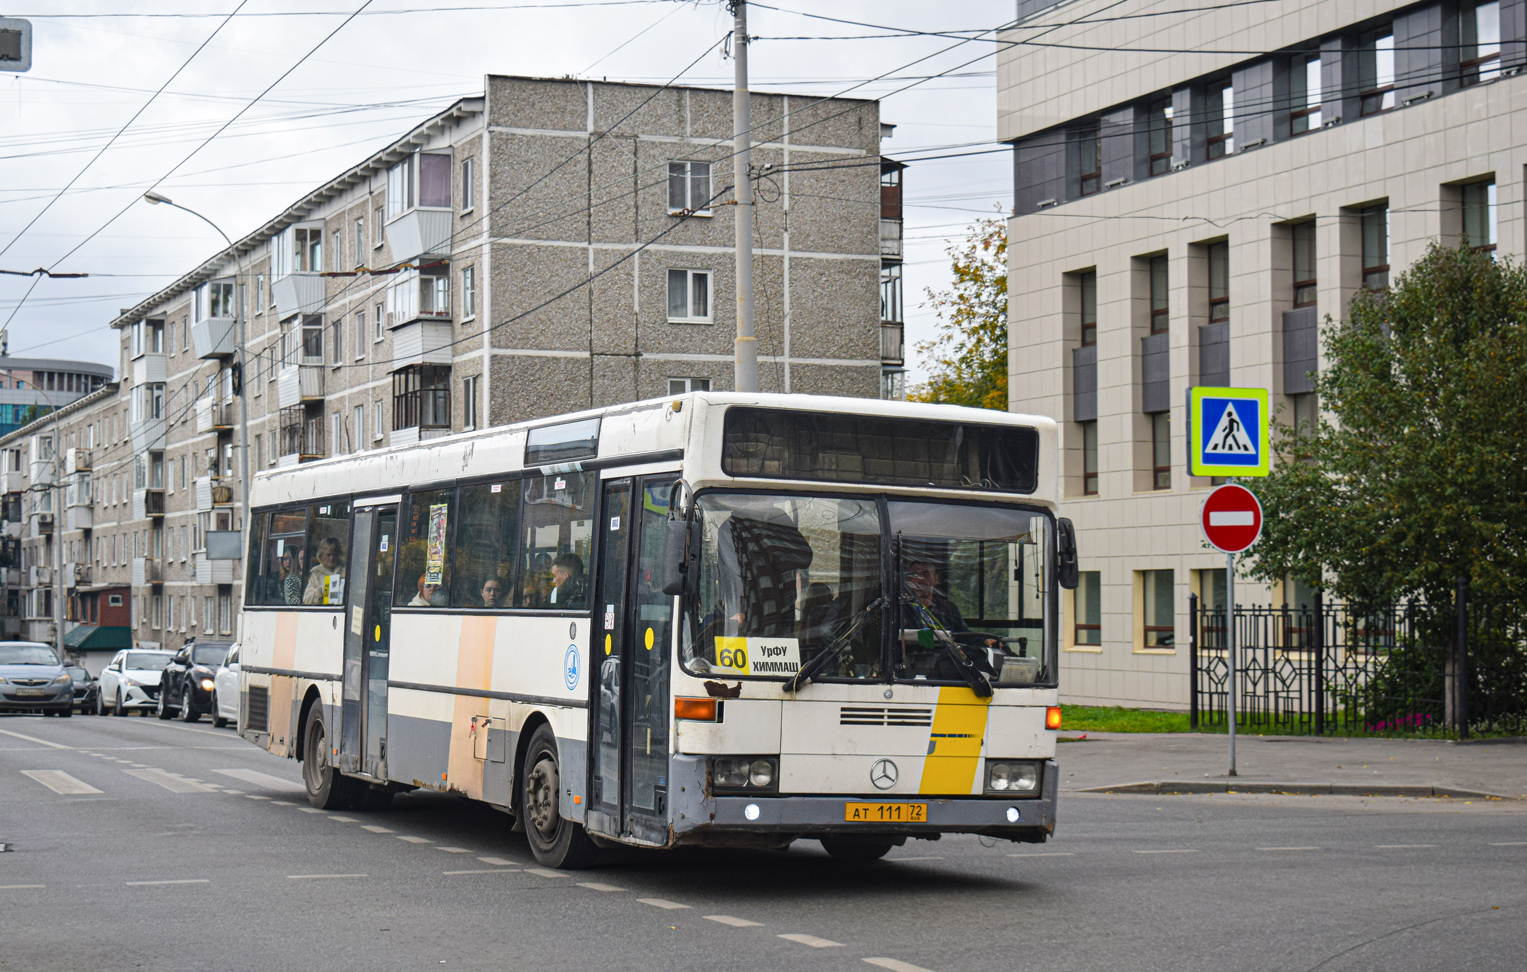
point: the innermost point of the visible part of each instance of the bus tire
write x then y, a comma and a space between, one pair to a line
328, 788
856, 850
554, 840
375, 798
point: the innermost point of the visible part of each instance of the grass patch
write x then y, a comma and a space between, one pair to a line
1100, 718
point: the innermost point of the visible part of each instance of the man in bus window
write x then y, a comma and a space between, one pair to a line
570, 586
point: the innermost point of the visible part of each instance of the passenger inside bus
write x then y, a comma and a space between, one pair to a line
492, 593
430, 595
570, 585
326, 581
536, 589
289, 586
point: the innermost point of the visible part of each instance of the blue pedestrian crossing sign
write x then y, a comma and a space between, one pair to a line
1228, 432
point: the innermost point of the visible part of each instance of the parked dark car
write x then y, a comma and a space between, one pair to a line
185, 687
32, 679
86, 688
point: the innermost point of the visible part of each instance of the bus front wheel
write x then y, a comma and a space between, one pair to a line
328, 789
857, 850
554, 840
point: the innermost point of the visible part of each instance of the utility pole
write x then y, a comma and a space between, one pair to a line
745, 364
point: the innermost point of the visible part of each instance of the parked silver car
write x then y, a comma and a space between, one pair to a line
33, 679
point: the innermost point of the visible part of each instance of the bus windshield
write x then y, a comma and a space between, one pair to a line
891, 590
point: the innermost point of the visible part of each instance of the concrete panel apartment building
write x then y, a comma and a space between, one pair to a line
443, 285
1188, 215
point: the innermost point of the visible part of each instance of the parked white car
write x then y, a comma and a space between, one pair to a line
131, 681
225, 692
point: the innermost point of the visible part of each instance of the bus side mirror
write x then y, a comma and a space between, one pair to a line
1067, 569
675, 539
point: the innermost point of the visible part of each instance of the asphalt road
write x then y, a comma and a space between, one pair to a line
146, 844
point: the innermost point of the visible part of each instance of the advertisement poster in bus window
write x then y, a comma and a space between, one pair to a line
434, 563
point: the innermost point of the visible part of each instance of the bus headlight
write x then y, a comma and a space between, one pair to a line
743, 774
1013, 777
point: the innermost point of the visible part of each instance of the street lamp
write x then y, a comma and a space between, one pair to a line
155, 198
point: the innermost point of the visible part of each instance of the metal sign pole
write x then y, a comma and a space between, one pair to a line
1230, 649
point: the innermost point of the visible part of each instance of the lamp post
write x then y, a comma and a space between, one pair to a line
155, 198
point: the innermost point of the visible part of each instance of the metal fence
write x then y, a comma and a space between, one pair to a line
1408, 668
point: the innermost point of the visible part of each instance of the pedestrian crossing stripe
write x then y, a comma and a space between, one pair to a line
1228, 432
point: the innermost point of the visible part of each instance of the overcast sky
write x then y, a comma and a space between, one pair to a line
382, 73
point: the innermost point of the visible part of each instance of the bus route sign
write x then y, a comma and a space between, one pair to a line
1228, 432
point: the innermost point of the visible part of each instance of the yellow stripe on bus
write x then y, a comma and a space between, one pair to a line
954, 742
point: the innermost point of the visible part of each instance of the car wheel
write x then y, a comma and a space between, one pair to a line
554, 840
160, 709
856, 850
99, 709
188, 711
117, 708
218, 721
328, 788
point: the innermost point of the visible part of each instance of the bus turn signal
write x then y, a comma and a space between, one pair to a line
1052, 717
699, 710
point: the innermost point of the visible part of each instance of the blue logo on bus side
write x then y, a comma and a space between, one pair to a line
570, 668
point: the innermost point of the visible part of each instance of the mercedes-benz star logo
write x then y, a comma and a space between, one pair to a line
883, 774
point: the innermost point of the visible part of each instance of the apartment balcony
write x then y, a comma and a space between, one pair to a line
148, 503
214, 337
300, 383
10, 629
209, 571
39, 576
42, 524
147, 570
299, 292
147, 434
891, 352
213, 415
890, 239
213, 494
420, 232
13, 482
41, 472
421, 342
79, 518
413, 435
14, 529
76, 575
40, 629
77, 460
148, 369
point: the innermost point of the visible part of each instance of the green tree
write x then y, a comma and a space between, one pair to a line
1417, 474
967, 360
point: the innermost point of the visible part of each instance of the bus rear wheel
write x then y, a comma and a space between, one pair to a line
850, 849
554, 840
328, 788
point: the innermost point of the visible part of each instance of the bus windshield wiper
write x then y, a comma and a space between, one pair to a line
834, 648
942, 639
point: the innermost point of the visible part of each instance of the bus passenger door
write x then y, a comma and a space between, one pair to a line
646, 695
368, 617
608, 652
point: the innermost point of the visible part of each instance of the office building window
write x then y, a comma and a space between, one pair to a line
1090, 158
1375, 221
689, 296
689, 188
1089, 458
1304, 82
1479, 215
1160, 310
468, 185
681, 386
468, 402
1089, 608
1375, 71
890, 292
1303, 413
1161, 450
1219, 282
1481, 41
1088, 283
1304, 263
1221, 120
1159, 114
1156, 606
468, 293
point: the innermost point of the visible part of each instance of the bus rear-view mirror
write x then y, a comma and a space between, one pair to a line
1067, 567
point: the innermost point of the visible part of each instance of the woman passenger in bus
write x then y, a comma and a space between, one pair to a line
430, 595
326, 581
291, 578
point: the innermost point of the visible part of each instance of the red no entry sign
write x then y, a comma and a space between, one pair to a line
1231, 518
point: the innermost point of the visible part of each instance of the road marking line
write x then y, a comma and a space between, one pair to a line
1400, 846
378, 830
227, 792
336, 817
34, 739
255, 796
487, 870
60, 782
1510, 843
171, 782
596, 886
1288, 848
734, 922
490, 860
663, 903
812, 940
21, 887
915, 858
896, 965
1179, 850
320, 877
1045, 854
140, 766
283, 803
140, 884
545, 872
263, 780
415, 840
454, 850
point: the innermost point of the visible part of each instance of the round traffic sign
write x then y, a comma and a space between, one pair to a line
1231, 518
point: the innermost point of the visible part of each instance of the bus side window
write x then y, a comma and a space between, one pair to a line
260, 565
487, 546
327, 556
425, 538
286, 557
557, 530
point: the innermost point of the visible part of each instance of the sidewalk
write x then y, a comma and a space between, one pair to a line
1107, 759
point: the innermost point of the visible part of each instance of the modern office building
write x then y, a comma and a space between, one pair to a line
32, 387
1188, 214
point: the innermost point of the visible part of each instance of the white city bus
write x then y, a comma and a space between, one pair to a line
715, 619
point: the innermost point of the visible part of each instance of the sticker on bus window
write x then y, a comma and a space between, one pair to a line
614, 524
496, 488
382, 547
356, 625
434, 559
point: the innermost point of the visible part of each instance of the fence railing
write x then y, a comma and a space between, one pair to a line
1411, 667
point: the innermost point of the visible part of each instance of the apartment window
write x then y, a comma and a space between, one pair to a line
1221, 120
1089, 458
1375, 67
359, 239
468, 293
890, 292
377, 236
468, 185
1090, 159
307, 249
170, 340
421, 397
421, 179
1161, 450
225, 613
1304, 81
1088, 283
157, 614
469, 402
336, 343
1479, 214
682, 386
1160, 135
360, 334
379, 426
1219, 282
337, 432
689, 188
312, 339
1304, 263
1089, 608
1375, 220
689, 296
1160, 316
378, 320
1481, 42
259, 290
1156, 604
207, 614
259, 451
270, 366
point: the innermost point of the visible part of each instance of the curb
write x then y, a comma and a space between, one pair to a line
1328, 789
